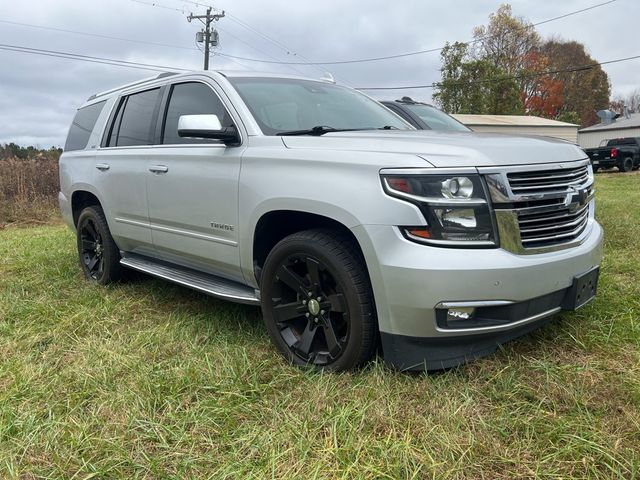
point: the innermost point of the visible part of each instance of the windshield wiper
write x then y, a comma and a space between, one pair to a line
318, 130
322, 129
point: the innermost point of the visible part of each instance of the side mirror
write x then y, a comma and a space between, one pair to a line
207, 126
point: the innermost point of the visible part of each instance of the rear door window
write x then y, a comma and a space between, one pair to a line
134, 124
192, 98
82, 126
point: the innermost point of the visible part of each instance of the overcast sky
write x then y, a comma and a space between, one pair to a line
39, 95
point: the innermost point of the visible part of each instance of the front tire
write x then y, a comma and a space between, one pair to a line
317, 301
99, 254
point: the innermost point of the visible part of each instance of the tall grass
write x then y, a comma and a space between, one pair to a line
148, 380
28, 189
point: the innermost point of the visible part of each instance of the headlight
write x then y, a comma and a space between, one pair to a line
455, 207
457, 187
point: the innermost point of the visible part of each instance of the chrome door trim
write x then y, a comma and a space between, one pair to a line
178, 231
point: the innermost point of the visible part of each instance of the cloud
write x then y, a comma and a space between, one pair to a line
39, 95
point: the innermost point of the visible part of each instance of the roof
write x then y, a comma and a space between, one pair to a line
510, 121
632, 122
224, 73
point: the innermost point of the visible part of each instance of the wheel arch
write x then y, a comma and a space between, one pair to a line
80, 199
274, 225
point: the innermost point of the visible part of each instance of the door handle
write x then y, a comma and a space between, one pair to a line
103, 166
158, 168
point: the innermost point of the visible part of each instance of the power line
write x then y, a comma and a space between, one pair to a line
419, 52
230, 57
209, 36
198, 4
98, 35
161, 68
281, 45
273, 61
131, 40
509, 77
143, 42
288, 51
89, 58
233, 58
159, 5
234, 18
164, 68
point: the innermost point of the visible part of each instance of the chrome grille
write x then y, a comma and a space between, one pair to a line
533, 182
541, 208
550, 228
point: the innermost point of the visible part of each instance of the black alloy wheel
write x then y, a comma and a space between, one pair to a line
92, 249
317, 302
310, 310
99, 254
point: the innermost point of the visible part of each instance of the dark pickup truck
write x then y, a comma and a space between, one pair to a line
623, 153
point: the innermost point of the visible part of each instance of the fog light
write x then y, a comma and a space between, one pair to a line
460, 314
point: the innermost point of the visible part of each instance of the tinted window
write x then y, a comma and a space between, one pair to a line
405, 116
437, 119
136, 124
113, 133
623, 141
192, 99
82, 126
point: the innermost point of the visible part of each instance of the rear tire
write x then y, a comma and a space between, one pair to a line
317, 301
626, 165
99, 254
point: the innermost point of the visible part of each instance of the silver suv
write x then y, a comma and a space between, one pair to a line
351, 229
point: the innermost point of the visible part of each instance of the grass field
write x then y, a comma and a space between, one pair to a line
150, 380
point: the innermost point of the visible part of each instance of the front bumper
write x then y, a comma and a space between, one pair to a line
410, 281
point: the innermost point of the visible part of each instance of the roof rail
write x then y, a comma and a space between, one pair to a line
411, 101
132, 84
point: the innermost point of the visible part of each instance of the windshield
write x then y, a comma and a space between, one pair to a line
282, 105
436, 119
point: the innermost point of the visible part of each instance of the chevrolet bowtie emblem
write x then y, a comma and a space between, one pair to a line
581, 201
582, 196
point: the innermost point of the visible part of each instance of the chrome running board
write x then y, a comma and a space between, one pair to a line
202, 282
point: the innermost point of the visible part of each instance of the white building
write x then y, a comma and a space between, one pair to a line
520, 125
595, 135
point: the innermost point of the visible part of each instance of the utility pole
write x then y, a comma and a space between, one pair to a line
207, 36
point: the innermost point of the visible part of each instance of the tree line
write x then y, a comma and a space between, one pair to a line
509, 69
12, 150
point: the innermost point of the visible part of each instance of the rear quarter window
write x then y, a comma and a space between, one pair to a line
82, 126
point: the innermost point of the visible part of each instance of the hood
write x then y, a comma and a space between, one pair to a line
447, 149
